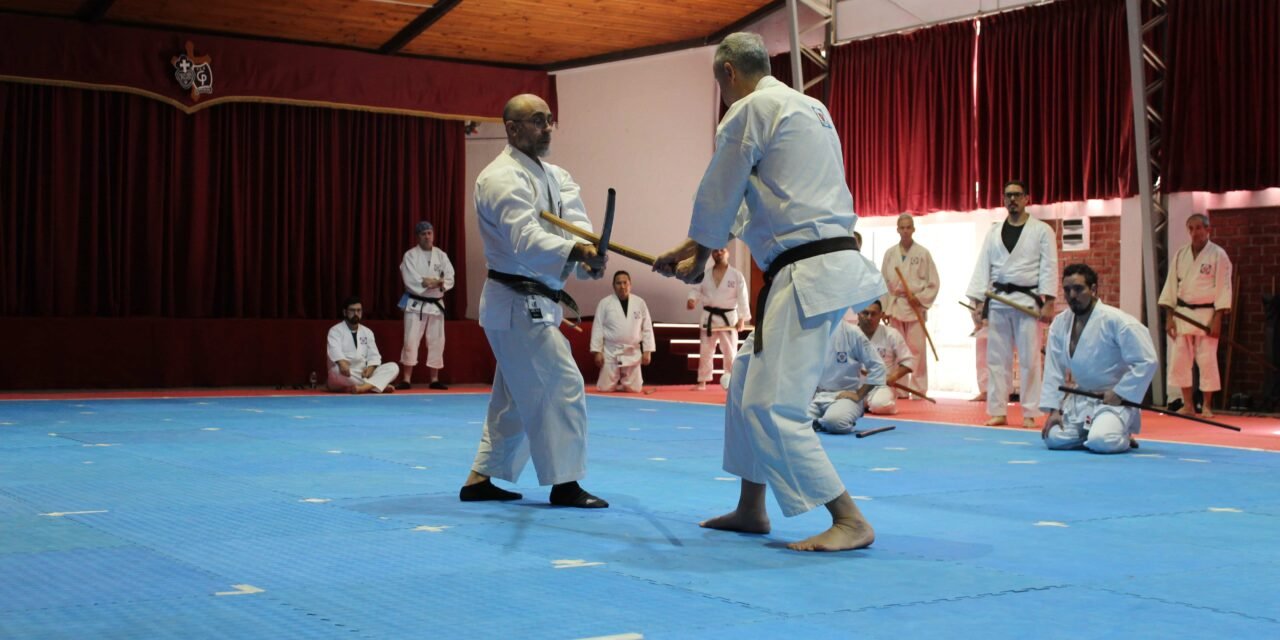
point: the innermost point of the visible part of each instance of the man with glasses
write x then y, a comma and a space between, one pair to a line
538, 405
777, 151
1018, 261
1198, 286
355, 364
907, 303
1107, 352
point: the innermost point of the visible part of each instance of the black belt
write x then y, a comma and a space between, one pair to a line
1188, 305
529, 286
1005, 287
716, 311
789, 257
423, 299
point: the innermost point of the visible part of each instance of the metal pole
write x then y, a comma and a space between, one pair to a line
793, 18
1150, 293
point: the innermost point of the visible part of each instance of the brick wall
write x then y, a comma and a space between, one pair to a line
1251, 238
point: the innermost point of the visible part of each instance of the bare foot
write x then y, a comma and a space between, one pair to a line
981, 397
742, 523
649, 391
391, 388
702, 386
1207, 412
1187, 410
996, 421
844, 535
1028, 423
361, 388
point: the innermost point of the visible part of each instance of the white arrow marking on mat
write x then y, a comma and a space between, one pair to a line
334, 451
202, 403
88, 462
649, 410
974, 439
434, 437
301, 417
433, 529
8, 423
252, 410
1194, 460
100, 444
618, 636
1018, 443
633, 428
1225, 510
1024, 462
59, 514
1051, 523
240, 590
685, 428
658, 459
862, 497
725, 479
419, 468
573, 564
884, 469
895, 448
1148, 455
87, 413
315, 500
212, 429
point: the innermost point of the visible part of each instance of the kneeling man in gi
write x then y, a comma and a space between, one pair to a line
621, 337
355, 365
843, 390
1106, 351
894, 353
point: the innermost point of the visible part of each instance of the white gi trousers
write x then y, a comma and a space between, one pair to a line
621, 368
882, 400
913, 334
416, 325
728, 341
1201, 349
538, 407
835, 416
382, 376
1007, 329
768, 434
1098, 427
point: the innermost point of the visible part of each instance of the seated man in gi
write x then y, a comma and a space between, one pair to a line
355, 365
842, 392
1107, 352
894, 353
621, 337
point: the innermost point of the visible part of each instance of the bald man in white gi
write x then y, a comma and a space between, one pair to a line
1199, 286
894, 354
852, 370
427, 274
1019, 261
916, 264
777, 150
722, 294
621, 338
538, 407
1107, 352
355, 364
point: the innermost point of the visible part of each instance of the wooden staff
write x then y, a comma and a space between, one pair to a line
915, 306
715, 329
638, 256
1147, 407
871, 432
1243, 349
912, 391
1027, 310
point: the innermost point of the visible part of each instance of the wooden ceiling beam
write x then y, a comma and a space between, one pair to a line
419, 25
94, 10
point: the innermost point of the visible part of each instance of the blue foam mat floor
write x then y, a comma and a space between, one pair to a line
337, 517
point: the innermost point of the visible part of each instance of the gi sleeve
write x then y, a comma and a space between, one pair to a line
930, 291
1222, 284
412, 279
1169, 294
597, 327
724, 185
980, 282
513, 200
446, 267
871, 361
903, 353
744, 305
1055, 359
334, 347
646, 329
374, 357
1139, 353
1048, 283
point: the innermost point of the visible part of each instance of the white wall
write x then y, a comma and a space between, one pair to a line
645, 127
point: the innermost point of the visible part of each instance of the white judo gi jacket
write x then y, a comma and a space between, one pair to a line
1032, 263
892, 349
731, 293
622, 338
359, 351
1114, 352
916, 265
418, 264
1203, 279
777, 152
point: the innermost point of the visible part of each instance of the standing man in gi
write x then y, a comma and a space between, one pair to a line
538, 406
777, 150
1019, 260
1108, 352
723, 297
905, 311
896, 357
355, 364
1199, 286
621, 337
852, 371
427, 274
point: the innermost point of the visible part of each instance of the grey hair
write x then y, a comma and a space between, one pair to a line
1204, 219
746, 52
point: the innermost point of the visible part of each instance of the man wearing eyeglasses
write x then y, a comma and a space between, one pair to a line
538, 405
1019, 261
777, 151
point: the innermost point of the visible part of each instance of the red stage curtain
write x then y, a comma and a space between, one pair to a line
1054, 104
903, 106
117, 205
1224, 95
